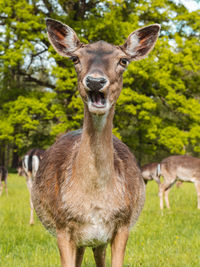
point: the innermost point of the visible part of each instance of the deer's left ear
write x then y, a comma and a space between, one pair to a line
62, 37
141, 42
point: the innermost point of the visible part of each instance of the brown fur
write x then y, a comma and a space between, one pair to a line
150, 172
55, 175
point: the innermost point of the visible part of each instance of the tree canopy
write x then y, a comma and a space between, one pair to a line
158, 112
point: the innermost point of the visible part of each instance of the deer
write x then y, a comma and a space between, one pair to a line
88, 190
175, 168
3, 178
30, 165
151, 171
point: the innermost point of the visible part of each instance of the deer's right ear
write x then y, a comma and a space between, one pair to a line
62, 37
141, 42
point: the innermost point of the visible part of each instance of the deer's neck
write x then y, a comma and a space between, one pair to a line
95, 160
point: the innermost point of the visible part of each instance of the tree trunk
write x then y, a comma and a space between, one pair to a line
2, 162
15, 158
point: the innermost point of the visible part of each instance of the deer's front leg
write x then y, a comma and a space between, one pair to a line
31, 222
167, 197
67, 249
160, 194
118, 246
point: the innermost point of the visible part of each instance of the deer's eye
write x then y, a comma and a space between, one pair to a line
75, 60
124, 62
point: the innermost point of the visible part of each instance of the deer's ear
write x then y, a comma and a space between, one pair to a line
141, 42
62, 37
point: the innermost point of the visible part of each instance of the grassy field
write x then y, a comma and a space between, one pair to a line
165, 241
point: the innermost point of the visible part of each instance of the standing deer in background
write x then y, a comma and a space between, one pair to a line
182, 168
3, 178
89, 190
30, 165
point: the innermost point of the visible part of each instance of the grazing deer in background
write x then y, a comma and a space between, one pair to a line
151, 171
89, 190
30, 165
179, 168
3, 178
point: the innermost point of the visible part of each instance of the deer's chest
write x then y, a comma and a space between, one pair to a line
93, 220
96, 228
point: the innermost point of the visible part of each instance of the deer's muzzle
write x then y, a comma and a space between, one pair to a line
95, 84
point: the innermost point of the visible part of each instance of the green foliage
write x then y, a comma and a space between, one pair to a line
29, 121
6, 130
174, 139
158, 109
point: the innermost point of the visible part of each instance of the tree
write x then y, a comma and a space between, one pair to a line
158, 111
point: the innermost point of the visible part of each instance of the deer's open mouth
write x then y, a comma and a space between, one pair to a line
97, 99
98, 102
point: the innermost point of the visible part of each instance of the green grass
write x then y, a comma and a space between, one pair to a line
165, 241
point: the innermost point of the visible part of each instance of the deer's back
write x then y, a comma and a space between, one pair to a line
184, 167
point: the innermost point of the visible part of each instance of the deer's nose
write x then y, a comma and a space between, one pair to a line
95, 83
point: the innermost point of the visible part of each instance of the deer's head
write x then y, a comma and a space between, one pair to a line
100, 65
